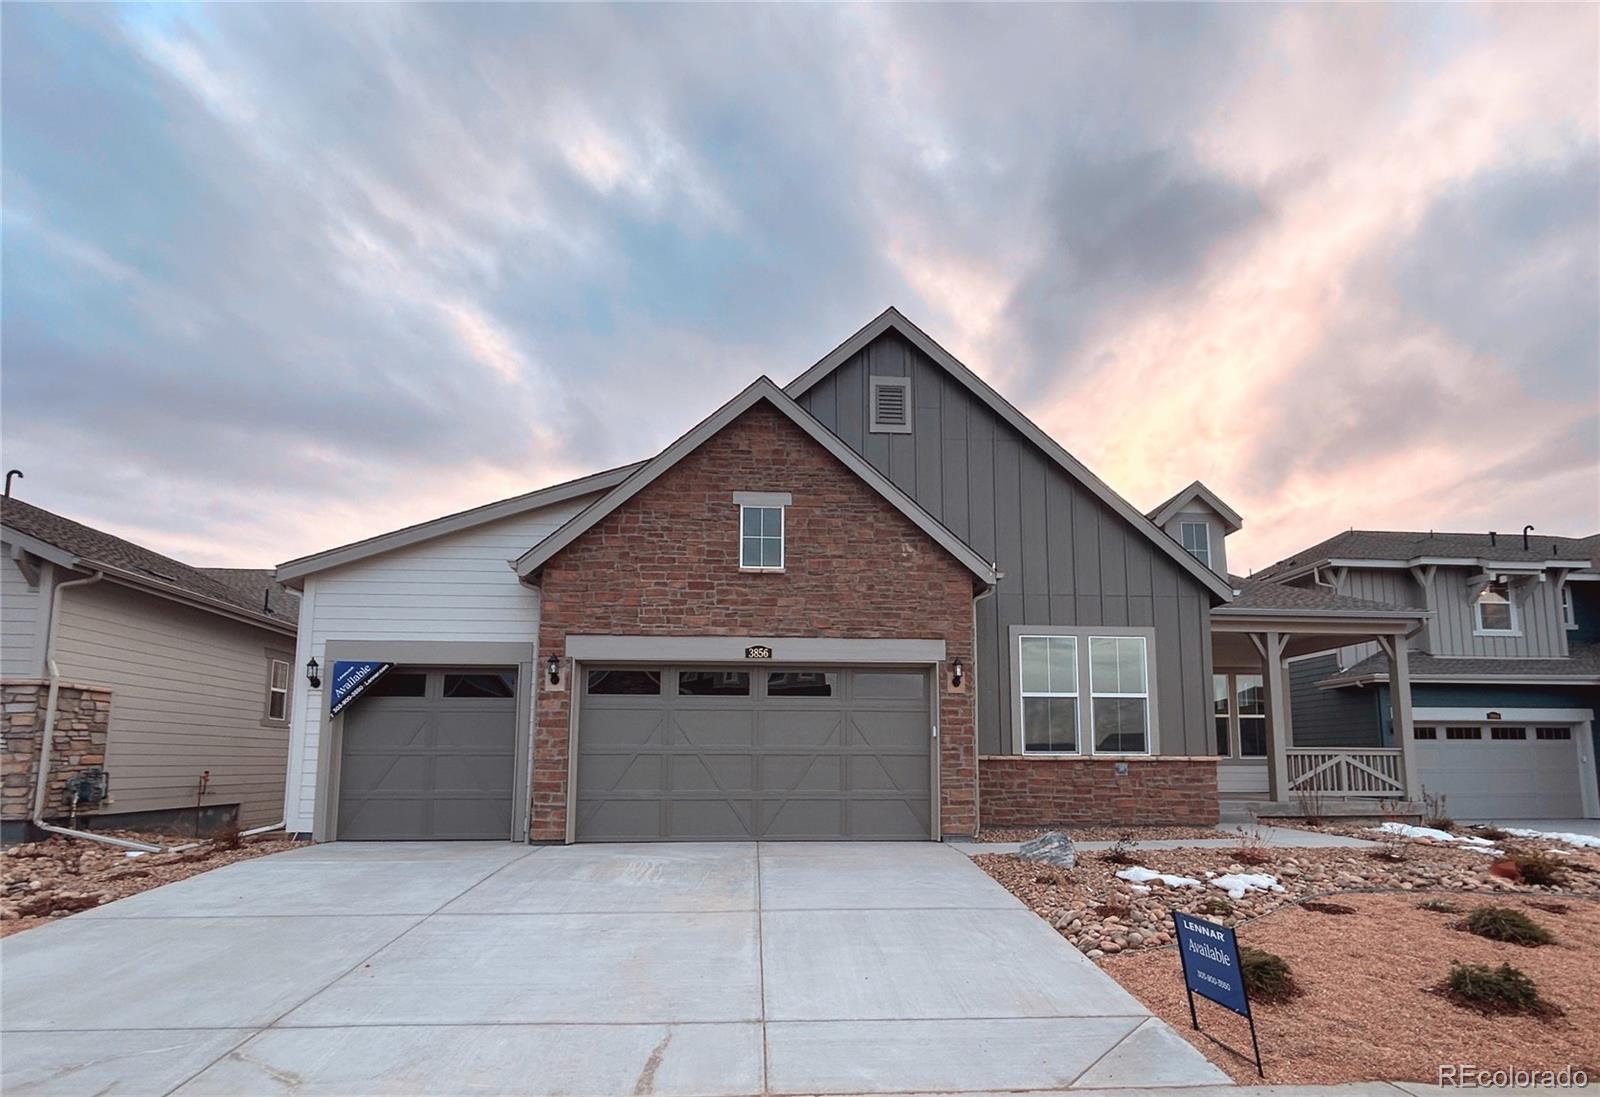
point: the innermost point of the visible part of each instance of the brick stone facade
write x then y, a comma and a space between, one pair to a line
666, 563
1017, 791
83, 717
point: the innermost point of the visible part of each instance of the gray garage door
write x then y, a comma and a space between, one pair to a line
429, 754
1498, 771
695, 753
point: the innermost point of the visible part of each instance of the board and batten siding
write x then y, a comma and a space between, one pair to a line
188, 694
1067, 559
22, 620
457, 587
1543, 636
1329, 717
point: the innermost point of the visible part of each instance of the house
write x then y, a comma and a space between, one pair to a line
171, 707
877, 602
1504, 672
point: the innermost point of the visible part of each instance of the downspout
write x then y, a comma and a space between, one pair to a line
972, 690
41, 785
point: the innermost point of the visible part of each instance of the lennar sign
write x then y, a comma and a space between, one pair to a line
1211, 969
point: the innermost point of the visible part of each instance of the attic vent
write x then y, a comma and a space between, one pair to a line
891, 405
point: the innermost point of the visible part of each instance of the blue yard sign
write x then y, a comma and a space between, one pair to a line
352, 678
1211, 969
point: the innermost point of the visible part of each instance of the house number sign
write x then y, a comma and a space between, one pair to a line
758, 651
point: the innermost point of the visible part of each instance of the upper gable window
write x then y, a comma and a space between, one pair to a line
1197, 541
891, 405
1497, 613
761, 538
1569, 612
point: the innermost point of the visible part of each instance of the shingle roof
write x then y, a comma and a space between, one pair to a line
1583, 664
239, 588
1366, 544
1264, 594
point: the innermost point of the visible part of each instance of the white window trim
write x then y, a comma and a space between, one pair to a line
1204, 528
1477, 615
1569, 608
1077, 696
1085, 695
783, 536
273, 662
1236, 718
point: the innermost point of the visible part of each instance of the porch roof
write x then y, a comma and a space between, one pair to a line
1582, 666
1255, 597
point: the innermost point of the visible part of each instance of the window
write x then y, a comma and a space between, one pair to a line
1197, 541
713, 683
1569, 612
1251, 692
625, 683
801, 683
1552, 734
278, 689
891, 405
494, 683
1422, 732
1496, 611
1219, 709
1049, 671
1119, 694
399, 684
1463, 733
1505, 734
761, 538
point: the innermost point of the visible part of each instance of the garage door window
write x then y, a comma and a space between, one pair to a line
1462, 733
625, 683
399, 684
502, 683
801, 683
1551, 734
1421, 732
713, 683
1506, 734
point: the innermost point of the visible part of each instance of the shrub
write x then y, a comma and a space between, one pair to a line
1507, 924
1433, 812
1494, 834
1053, 877
1121, 851
1252, 850
1538, 868
1390, 852
1113, 909
227, 836
1439, 906
1329, 908
1216, 904
1266, 975
1495, 990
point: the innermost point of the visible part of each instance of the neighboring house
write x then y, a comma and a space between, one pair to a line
877, 603
1505, 668
174, 681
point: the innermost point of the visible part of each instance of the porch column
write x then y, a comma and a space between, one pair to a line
1270, 645
1395, 647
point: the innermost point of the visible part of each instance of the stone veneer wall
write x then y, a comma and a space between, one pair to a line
1016, 791
83, 717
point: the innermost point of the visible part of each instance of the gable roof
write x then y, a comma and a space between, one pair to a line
294, 571
761, 389
1231, 522
1407, 547
892, 319
235, 592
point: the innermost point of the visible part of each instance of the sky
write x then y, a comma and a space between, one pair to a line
276, 278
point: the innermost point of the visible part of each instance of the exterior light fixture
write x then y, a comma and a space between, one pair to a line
313, 672
958, 674
553, 669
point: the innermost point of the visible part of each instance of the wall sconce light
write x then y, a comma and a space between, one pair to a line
958, 674
313, 673
553, 669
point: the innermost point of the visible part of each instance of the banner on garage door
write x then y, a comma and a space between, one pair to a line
352, 678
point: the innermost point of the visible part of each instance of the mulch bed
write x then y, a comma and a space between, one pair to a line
1369, 1011
43, 881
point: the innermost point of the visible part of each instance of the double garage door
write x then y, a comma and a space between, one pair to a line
1501, 771
706, 753
664, 753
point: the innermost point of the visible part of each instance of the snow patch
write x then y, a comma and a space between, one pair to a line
1237, 884
1586, 841
1401, 830
1138, 874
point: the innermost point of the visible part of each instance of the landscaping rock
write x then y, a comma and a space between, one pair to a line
1054, 848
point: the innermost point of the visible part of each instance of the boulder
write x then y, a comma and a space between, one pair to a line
1053, 848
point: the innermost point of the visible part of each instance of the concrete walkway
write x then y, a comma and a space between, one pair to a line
1228, 837
665, 969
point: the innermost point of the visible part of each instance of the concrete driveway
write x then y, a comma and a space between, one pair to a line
671, 969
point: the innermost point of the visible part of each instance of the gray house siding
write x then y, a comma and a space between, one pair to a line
22, 624
189, 692
1067, 559
1455, 618
1329, 717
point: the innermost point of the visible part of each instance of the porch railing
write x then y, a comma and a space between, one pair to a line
1374, 771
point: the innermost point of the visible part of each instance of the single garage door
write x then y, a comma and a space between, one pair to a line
705, 753
1501, 771
430, 754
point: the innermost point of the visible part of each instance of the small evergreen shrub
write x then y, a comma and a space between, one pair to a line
1507, 924
1439, 906
1329, 908
1495, 990
1538, 868
1266, 975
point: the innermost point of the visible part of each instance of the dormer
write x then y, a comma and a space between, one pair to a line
1200, 521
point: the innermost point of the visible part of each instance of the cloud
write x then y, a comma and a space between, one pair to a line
280, 277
